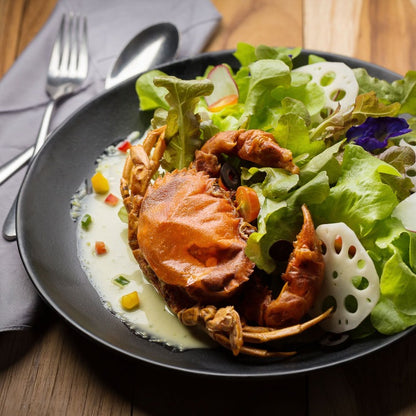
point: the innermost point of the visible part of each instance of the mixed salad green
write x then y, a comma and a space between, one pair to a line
357, 161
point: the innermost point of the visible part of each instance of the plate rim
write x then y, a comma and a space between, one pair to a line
387, 341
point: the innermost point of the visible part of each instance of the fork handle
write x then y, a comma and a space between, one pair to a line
9, 226
13, 165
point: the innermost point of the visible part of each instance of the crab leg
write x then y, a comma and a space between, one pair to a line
141, 165
257, 335
138, 170
224, 326
255, 352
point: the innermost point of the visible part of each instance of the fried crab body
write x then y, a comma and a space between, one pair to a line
190, 241
189, 232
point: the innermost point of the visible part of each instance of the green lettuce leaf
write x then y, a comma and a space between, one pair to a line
360, 198
408, 137
401, 157
150, 96
304, 90
314, 59
292, 133
398, 283
265, 75
247, 54
284, 54
402, 91
182, 124
396, 309
276, 183
388, 320
368, 105
393, 250
323, 161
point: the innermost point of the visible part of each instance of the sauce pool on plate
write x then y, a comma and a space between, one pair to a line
151, 319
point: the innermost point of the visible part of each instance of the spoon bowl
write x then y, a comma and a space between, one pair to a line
153, 46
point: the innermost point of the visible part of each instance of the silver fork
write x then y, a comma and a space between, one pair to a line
68, 69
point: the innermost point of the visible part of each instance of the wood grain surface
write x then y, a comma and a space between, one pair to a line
52, 370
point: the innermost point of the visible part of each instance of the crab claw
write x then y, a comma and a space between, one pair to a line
255, 146
224, 321
304, 276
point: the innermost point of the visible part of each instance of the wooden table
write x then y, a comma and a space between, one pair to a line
52, 370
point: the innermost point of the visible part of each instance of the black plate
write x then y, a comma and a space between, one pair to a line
47, 234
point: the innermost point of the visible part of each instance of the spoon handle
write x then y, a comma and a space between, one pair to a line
9, 226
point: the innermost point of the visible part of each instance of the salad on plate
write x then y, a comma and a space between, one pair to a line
332, 229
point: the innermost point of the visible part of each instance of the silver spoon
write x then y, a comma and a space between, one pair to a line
153, 46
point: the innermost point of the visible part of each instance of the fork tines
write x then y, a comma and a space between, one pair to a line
70, 51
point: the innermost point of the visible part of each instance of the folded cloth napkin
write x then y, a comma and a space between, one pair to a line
111, 24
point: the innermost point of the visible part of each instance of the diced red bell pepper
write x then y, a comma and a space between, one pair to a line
124, 146
111, 200
100, 247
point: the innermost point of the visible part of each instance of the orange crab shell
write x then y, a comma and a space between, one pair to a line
202, 249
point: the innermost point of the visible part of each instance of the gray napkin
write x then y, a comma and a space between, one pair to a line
111, 24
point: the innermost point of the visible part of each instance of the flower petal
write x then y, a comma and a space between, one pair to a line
374, 132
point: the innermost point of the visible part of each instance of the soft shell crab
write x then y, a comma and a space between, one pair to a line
189, 240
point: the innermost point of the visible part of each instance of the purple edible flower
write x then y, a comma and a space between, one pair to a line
374, 133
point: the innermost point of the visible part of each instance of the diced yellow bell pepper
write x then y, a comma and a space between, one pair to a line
130, 301
100, 183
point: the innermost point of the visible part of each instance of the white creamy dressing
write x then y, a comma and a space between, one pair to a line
152, 319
